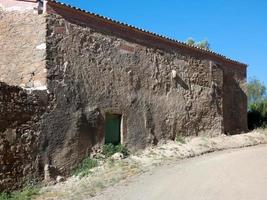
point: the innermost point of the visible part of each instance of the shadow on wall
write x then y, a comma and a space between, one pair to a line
235, 106
89, 131
80, 132
20, 113
181, 82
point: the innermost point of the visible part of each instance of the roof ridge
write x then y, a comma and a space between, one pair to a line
151, 33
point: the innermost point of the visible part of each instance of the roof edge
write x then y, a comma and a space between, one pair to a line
151, 34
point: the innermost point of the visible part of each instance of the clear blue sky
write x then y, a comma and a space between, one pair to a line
235, 28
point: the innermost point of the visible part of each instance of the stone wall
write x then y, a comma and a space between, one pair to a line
235, 100
22, 53
22, 65
160, 93
74, 72
19, 5
20, 113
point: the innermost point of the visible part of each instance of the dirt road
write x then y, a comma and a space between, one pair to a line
230, 175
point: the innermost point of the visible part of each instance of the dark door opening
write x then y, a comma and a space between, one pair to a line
113, 129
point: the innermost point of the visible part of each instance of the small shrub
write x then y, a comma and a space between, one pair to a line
257, 115
4, 196
84, 167
180, 139
25, 194
110, 149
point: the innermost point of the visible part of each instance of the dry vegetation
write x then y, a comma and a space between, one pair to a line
113, 171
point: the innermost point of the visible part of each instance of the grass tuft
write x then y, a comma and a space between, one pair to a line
180, 139
110, 149
4, 196
84, 167
25, 194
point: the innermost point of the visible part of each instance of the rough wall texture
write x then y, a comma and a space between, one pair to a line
22, 63
19, 131
234, 100
158, 93
22, 6
89, 70
22, 54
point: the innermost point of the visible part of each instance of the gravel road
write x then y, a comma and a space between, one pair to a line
229, 175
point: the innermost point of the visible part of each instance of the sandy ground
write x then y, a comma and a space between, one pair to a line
231, 175
121, 171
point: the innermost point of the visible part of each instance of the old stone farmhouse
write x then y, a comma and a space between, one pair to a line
71, 81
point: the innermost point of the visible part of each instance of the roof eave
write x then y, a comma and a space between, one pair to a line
151, 34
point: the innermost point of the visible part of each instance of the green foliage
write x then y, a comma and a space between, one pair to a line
257, 115
190, 41
25, 194
84, 167
256, 91
180, 139
201, 44
257, 104
4, 196
110, 149
204, 44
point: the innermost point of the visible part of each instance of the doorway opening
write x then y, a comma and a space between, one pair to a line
113, 129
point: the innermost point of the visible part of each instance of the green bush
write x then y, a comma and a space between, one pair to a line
84, 167
110, 149
257, 115
4, 196
25, 194
180, 139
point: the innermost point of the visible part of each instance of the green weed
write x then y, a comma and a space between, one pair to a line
25, 194
180, 139
110, 149
84, 167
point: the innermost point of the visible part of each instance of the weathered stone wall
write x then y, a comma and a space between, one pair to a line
19, 131
22, 63
160, 93
18, 5
23, 47
235, 100
90, 70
